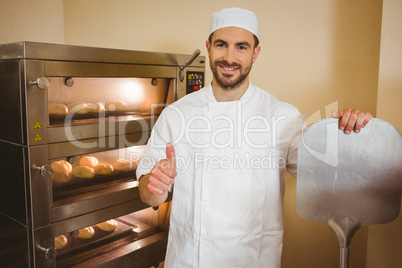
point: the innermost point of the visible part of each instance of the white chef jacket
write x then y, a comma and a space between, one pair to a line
232, 157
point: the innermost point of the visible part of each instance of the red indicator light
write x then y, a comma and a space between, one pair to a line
195, 88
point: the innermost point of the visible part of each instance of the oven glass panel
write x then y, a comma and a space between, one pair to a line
78, 100
84, 173
105, 237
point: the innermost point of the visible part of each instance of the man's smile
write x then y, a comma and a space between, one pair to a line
228, 68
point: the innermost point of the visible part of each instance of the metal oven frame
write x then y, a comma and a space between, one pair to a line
27, 210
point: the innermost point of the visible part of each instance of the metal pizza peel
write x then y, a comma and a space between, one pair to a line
349, 181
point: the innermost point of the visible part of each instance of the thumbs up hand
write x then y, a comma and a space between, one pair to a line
163, 173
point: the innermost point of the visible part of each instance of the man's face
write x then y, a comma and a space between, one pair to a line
231, 55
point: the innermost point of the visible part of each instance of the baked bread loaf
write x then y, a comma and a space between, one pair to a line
86, 233
78, 108
117, 106
61, 166
83, 172
96, 107
103, 169
107, 226
89, 161
58, 109
60, 241
61, 171
61, 177
122, 165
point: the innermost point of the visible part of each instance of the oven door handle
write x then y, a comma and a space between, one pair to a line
45, 171
50, 253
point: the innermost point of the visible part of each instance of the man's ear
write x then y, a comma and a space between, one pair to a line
208, 45
256, 52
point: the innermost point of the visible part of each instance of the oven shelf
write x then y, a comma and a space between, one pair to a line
133, 239
82, 186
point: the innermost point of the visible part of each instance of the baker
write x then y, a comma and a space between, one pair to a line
227, 204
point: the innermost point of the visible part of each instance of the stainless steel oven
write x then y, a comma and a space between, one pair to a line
74, 123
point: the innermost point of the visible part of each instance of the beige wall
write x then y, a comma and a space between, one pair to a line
389, 108
314, 53
31, 20
389, 105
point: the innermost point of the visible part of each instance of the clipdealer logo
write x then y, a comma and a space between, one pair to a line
238, 132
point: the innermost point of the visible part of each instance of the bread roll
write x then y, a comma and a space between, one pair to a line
122, 165
61, 171
134, 165
57, 109
78, 108
60, 241
117, 106
89, 161
83, 172
103, 169
86, 233
96, 107
61, 177
107, 226
61, 166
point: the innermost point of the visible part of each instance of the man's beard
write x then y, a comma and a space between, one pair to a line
224, 80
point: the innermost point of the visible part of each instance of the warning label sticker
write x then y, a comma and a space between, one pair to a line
37, 137
37, 125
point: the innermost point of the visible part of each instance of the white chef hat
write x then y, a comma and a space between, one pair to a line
234, 17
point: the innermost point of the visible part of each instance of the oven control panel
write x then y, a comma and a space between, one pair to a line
194, 81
